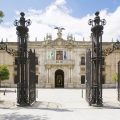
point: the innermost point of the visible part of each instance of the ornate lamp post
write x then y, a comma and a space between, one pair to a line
96, 35
22, 60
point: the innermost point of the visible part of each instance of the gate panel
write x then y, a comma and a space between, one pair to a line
88, 76
32, 77
119, 81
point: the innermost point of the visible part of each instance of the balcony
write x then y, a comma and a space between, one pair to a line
59, 63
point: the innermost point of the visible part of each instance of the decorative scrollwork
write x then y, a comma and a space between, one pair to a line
16, 23
97, 20
28, 22
3, 46
90, 22
11, 51
116, 46
107, 51
22, 22
103, 22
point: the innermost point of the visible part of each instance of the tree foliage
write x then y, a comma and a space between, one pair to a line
115, 77
4, 72
1, 15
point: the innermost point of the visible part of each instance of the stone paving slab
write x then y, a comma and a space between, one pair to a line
60, 104
7, 104
61, 99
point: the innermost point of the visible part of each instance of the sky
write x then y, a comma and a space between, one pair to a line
73, 15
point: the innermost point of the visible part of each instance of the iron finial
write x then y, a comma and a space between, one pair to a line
22, 22
97, 20
22, 14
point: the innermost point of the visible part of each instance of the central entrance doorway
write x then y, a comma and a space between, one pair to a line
59, 79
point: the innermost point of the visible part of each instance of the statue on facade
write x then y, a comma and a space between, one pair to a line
59, 31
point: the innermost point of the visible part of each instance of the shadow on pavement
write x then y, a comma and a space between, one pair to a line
15, 116
43, 105
111, 106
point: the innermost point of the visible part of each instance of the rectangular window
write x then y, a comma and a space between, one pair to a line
82, 79
59, 55
82, 60
51, 55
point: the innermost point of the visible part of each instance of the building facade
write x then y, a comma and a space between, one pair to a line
62, 63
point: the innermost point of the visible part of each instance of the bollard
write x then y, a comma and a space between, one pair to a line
4, 92
82, 92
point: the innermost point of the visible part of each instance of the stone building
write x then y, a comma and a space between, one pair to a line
62, 63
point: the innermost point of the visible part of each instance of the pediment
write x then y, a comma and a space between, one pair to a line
59, 42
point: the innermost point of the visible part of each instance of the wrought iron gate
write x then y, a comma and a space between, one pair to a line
108, 51
29, 86
33, 78
119, 81
88, 77
94, 62
25, 65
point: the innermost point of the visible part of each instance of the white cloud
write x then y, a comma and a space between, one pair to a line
112, 28
60, 2
57, 14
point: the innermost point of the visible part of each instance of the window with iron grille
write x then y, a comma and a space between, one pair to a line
82, 79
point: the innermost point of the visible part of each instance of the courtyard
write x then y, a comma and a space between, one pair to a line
59, 104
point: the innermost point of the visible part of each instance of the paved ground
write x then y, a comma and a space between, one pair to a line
60, 104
